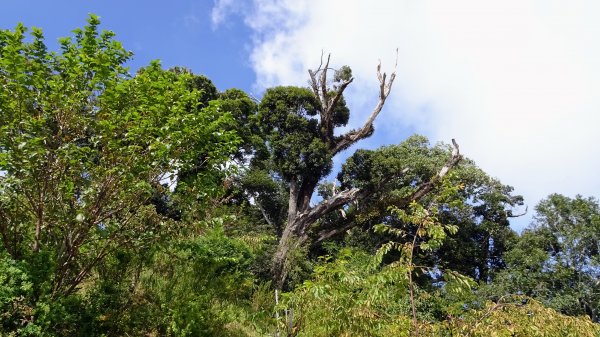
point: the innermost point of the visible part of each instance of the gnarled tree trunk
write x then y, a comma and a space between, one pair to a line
301, 216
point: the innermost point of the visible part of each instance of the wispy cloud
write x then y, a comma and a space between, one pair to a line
221, 10
191, 20
515, 82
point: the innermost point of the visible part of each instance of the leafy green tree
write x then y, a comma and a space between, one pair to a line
299, 130
480, 208
356, 294
234, 102
15, 287
350, 296
483, 220
556, 259
513, 316
191, 285
82, 145
118, 215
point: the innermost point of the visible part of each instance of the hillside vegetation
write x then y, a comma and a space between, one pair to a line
153, 204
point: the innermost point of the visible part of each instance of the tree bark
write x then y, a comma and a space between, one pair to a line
299, 222
300, 215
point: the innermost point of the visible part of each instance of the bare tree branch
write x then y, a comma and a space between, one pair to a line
385, 88
336, 201
425, 188
323, 83
417, 194
518, 215
318, 84
331, 232
263, 212
331, 204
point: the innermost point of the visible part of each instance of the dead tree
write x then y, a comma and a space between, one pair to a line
301, 216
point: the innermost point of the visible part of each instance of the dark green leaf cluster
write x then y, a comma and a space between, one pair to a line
288, 117
373, 168
556, 259
468, 198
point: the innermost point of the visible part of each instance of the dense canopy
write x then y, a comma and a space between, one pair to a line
153, 204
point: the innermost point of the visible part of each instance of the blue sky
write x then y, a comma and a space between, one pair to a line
516, 82
176, 32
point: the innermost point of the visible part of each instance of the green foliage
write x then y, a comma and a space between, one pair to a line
82, 146
349, 296
352, 296
556, 259
96, 239
188, 280
240, 110
360, 296
478, 205
372, 168
343, 74
243, 109
199, 83
484, 234
15, 289
288, 118
516, 316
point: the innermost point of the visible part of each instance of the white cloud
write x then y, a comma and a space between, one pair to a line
515, 82
220, 10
